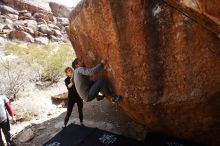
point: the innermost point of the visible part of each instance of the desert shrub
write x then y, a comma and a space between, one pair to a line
57, 60
25, 111
14, 74
48, 61
25, 64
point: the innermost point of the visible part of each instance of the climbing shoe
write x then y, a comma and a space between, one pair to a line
116, 99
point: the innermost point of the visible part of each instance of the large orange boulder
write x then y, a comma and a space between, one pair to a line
207, 13
164, 64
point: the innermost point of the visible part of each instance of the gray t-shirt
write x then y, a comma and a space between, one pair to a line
3, 114
82, 79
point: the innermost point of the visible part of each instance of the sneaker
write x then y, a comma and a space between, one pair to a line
116, 99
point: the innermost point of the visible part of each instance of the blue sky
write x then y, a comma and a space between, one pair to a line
70, 3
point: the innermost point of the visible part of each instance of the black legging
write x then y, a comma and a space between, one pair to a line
71, 101
5, 127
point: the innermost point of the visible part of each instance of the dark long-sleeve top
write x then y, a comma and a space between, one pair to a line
72, 93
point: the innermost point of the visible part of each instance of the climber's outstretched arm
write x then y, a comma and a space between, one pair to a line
90, 71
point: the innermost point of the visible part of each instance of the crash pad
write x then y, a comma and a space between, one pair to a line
75, 135
158, 139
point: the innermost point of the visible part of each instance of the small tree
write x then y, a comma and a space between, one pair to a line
46, 61
13, 76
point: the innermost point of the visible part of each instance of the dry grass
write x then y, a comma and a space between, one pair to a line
27, 109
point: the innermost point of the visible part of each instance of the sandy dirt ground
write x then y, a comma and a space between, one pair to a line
49, 119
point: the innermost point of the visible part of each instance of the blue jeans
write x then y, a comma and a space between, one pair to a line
98, 86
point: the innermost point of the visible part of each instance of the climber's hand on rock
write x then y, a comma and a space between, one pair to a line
103, 62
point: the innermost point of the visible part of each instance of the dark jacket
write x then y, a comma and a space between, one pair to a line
72, 93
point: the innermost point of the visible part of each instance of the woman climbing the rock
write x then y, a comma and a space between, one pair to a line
73, 97
4, 121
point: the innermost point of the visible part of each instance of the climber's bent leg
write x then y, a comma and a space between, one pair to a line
101, 86
98, 86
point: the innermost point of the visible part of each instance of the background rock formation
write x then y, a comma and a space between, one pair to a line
204, 12
30, 5
59, 10
33, 21
165, 65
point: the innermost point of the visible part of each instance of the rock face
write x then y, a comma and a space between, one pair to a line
26, 135
42, 40
204, 12
59, 10
7, 10
165, 65
40, 6
30, 5
21, 36
60, 99
32, 22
